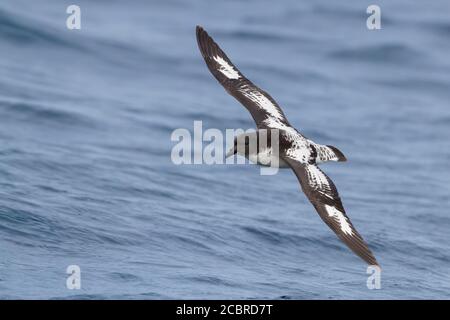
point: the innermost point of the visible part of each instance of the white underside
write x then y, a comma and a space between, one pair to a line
267, 159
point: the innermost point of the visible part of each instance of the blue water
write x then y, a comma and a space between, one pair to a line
85, 171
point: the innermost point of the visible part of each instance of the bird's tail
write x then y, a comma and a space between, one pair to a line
328, 153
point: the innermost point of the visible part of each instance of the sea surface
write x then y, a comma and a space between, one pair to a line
86, 176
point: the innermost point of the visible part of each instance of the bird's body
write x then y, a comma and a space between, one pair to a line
268, 158
290, 149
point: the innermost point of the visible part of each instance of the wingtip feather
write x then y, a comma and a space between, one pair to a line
199, 29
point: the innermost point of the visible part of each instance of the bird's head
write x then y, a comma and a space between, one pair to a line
244, 144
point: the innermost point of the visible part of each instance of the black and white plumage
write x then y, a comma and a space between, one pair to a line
295, 151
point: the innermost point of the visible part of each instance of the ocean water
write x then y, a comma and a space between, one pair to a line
86, 176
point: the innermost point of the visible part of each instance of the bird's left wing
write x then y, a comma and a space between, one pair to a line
324, 196
263, 108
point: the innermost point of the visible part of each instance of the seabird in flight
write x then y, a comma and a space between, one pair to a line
295, 150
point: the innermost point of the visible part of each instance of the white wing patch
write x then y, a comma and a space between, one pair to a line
275, 123
340, 218
263, 103
318, 179
227, 70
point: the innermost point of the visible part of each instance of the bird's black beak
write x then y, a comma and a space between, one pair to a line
230, 152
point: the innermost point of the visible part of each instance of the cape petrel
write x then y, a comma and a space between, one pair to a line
295, 150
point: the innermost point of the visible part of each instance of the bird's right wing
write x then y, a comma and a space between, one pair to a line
263, 108
324, 196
